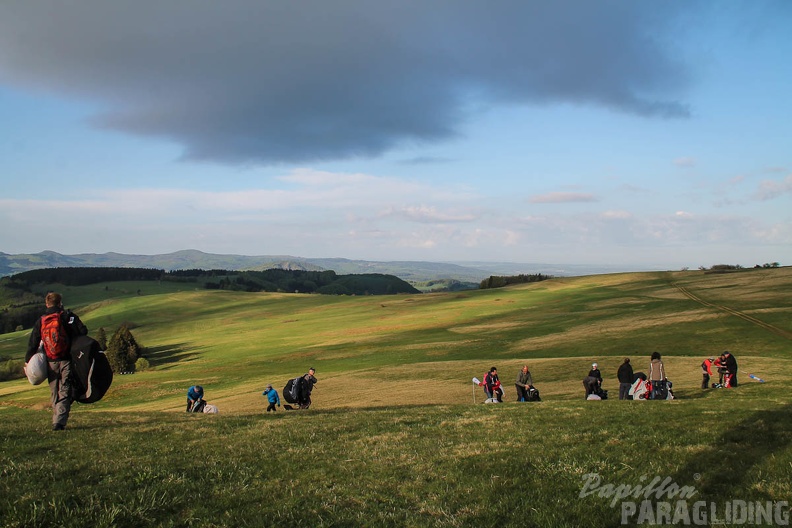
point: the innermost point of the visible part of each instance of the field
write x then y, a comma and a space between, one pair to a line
394, 437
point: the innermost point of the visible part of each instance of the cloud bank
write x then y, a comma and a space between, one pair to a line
264, 82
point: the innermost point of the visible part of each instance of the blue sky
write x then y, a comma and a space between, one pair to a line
632, 134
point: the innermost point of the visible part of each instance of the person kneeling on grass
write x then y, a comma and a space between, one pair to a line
272, 397
524, 383
195, 401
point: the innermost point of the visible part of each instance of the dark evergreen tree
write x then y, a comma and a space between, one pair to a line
101, 338
123, 350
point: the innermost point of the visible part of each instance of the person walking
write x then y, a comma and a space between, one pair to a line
272, 398
306, 388
626, 379
55, 331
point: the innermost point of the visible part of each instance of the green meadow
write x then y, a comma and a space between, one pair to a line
397, 434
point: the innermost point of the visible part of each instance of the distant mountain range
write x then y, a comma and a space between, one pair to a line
411, 271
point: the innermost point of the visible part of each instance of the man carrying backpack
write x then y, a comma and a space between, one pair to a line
55, 331
308, 382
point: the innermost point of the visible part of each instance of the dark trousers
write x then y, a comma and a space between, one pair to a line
705, 381
522, 392
624, 391
271, 407
659, 390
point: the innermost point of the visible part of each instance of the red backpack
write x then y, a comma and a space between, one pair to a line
53, 334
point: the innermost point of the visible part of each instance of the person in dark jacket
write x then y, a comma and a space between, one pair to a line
306, 388
595, 373
57, 346
493, 385
730, 364
626, 379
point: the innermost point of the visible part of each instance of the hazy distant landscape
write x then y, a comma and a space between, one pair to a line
415, 271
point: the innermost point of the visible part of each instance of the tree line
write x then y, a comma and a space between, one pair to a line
495, 281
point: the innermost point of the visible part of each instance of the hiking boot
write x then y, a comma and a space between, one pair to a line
58, 427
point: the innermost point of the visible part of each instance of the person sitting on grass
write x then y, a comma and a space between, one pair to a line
492, 385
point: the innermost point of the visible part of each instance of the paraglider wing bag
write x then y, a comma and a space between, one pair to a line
36, 368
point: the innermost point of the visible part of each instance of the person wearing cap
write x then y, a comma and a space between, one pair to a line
706, 370
272, 397
595, 373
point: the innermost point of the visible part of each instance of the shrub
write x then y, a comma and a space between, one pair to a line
141, 364
12, 369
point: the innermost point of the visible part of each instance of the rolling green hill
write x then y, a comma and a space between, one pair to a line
394, 437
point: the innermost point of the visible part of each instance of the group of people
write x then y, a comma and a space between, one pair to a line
305, 384
726, 367
660, 386
524, 385
297, 391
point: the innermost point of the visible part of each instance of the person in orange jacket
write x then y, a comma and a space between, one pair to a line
706, 370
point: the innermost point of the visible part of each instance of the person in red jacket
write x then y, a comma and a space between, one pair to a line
492, 385
706, 370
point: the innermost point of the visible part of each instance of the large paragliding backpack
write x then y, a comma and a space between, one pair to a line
291, 392
91, 372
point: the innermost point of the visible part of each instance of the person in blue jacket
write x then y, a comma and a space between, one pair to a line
194, 394
272, 397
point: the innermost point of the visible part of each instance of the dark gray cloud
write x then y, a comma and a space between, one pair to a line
250, 81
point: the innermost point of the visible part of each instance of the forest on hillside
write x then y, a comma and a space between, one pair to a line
21, 306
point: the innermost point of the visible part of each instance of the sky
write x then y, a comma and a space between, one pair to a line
633, 134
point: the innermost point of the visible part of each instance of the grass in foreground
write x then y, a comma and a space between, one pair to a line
484, 465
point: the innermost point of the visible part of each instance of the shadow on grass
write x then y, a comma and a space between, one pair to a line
723, 471
170, 354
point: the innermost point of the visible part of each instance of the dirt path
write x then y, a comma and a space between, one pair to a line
758, 322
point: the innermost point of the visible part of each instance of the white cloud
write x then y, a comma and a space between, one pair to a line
771, 189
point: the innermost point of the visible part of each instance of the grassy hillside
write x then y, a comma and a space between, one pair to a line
393, 437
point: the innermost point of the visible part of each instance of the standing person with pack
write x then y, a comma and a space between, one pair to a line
55, 330
309, 380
